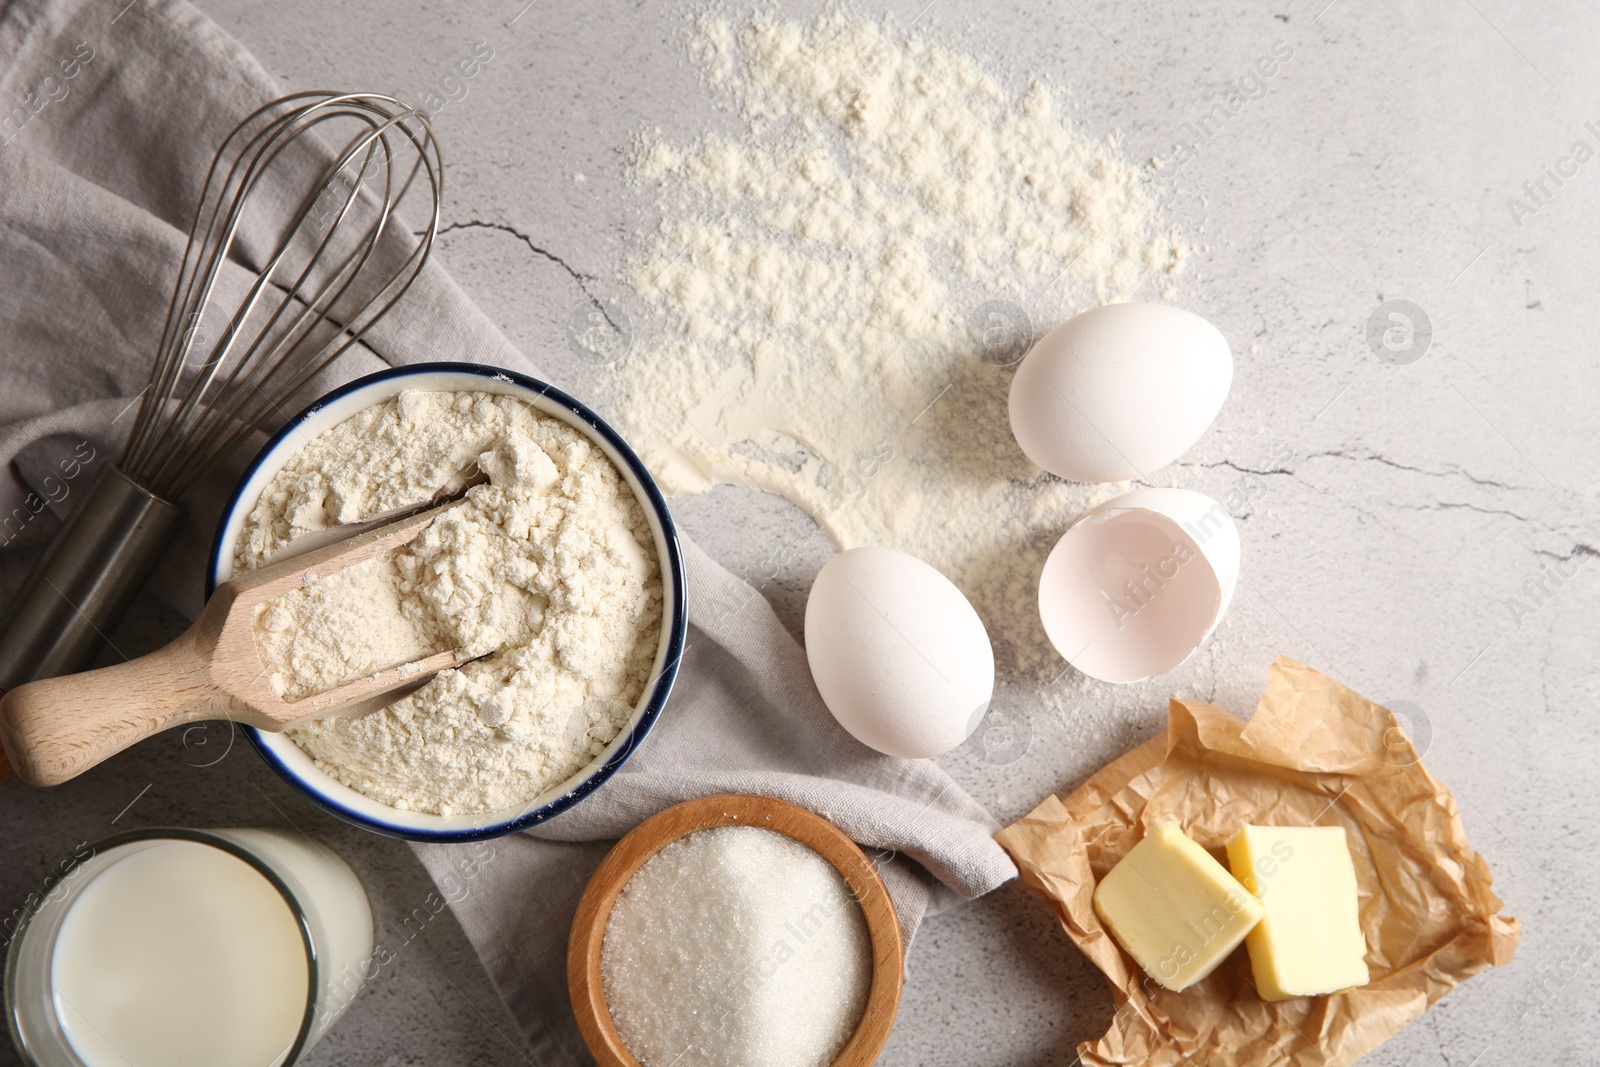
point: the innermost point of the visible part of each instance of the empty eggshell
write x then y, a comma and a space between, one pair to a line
897, 653
1139, 583
1119, 391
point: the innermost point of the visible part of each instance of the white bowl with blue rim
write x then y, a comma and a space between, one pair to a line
295, 766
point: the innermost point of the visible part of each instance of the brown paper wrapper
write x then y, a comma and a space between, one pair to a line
1315, 753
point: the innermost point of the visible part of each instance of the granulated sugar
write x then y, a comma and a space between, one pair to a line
736, 947
548, 572
840, 287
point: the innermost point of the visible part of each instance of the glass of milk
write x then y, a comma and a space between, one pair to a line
172, 947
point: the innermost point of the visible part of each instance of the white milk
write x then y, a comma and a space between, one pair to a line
172, 952
336, 907
180, 954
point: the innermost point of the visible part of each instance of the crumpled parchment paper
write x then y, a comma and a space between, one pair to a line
1315, 753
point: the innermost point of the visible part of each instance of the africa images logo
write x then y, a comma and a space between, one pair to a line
1399, 332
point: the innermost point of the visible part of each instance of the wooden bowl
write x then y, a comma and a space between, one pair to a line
733, 809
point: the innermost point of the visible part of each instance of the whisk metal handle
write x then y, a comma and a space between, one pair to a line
87, 579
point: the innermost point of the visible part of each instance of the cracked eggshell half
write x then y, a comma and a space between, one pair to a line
1133, 588
1119, 391
898, 654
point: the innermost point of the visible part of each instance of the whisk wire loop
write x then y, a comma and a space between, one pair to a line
340, 262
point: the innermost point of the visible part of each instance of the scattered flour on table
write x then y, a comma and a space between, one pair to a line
837, 286
736, 947
548, 571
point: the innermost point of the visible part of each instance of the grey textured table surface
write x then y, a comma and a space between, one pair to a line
1392, 514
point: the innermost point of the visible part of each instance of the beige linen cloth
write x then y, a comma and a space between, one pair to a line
109, 115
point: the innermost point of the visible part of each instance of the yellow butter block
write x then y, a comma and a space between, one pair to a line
1173, 908
1310, 941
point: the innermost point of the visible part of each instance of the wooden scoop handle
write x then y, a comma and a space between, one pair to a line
57, 728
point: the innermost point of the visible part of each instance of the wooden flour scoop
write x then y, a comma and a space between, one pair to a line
57, 728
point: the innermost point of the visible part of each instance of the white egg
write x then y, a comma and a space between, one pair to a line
1119, 391
897, 653
1139, 583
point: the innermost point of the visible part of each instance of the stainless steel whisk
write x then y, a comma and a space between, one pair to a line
341, 164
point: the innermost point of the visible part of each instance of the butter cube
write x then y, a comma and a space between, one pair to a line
1173, 908
1310, 941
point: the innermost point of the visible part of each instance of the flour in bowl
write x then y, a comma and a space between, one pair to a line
548, 572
